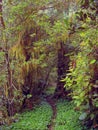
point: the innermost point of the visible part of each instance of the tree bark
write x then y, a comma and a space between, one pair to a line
63, 66
10, 104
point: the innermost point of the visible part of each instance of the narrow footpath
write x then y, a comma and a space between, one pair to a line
52, 103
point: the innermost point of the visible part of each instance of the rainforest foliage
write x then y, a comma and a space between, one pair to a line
44, 44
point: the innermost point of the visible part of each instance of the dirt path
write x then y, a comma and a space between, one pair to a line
52, 103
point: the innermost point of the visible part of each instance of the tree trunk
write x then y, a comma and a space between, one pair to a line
63, 66
10, 103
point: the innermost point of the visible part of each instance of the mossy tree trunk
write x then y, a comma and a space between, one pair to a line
9, 98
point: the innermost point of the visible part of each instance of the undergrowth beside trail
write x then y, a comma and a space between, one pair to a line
67, 117
37, 119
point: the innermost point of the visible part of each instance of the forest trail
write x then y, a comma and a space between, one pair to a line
52, 103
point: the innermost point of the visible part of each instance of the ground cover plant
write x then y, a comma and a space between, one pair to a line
67, 117
37, 119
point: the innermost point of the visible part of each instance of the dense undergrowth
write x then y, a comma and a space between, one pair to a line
37, 119
67, 117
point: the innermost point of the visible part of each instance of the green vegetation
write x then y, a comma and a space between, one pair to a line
50, 90
46, 43
37, 119
67, 117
